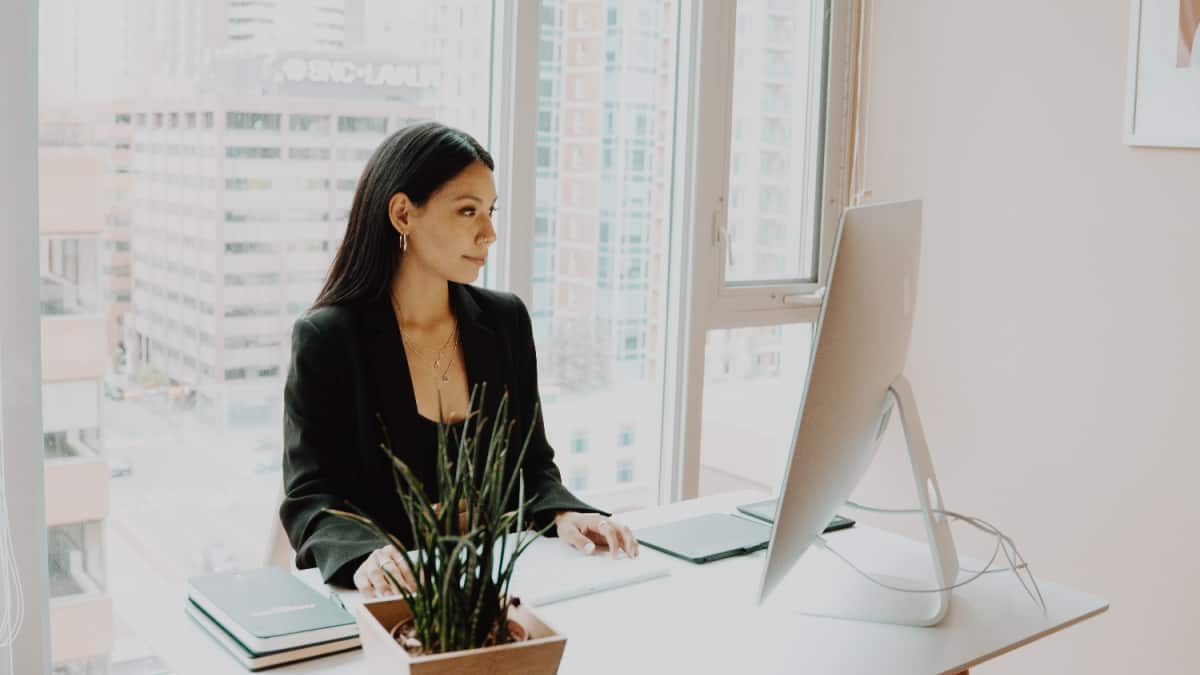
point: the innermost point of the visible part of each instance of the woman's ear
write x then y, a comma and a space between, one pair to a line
399, 209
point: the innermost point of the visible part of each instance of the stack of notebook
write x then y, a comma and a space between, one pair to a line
267, 617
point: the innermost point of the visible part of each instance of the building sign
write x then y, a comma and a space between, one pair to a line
323, 70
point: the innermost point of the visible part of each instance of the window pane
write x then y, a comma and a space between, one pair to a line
601, 239
197, 165
308, 124
70, 275
255, 121
76, 553
753, 378
773, 176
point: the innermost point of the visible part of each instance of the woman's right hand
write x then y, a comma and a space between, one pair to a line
371, 580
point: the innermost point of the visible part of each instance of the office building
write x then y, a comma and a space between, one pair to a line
605, 101
74, 210
239, 203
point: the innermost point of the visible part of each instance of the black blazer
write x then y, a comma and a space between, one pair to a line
347, 366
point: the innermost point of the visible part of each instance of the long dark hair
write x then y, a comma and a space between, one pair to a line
416, 160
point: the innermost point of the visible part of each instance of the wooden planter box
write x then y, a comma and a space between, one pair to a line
539, 655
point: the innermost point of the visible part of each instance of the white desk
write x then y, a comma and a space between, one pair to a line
702, 619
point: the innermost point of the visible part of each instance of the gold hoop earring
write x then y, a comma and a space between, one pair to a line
403, 243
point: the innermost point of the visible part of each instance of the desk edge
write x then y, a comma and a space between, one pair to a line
1021, 643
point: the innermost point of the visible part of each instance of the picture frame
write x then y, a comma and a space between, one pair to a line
1162, 102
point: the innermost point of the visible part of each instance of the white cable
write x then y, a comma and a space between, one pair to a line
1016, 561
12, 600
1003, 542
825, 545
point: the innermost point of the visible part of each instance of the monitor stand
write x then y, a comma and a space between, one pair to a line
823, 585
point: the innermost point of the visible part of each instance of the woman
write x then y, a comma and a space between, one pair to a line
394, 329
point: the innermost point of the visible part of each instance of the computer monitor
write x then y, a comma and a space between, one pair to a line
855, 377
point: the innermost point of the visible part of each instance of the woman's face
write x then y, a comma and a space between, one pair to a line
450, 235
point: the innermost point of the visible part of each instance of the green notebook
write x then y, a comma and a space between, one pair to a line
269, 609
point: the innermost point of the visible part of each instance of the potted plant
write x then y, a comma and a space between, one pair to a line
461, 617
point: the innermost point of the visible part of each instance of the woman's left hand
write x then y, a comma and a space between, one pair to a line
585, 530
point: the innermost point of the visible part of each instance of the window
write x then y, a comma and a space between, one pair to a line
582, 353
242, 152
247, 184
625, 471
362, 125
637, 160
203, 334
260, 279
787, 123
321, 154
169, 291
70, 275
753, 378
70, 443
625, 438
76, 559
252, 121
352, 154
308, 124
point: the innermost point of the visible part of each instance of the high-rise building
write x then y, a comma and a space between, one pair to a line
242, 185
452, 36
264, 25
73, 214
605, 114
176, 48
773, 141
239, 204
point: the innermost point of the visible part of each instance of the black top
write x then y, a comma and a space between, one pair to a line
421, 457
348, 370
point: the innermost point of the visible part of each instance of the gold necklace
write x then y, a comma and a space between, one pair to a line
437, 361
445, 377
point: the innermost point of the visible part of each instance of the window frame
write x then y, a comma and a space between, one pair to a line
763, 302
700, 302
516, 28
697, 299
21, 440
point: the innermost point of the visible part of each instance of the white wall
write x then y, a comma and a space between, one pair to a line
1056, 356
